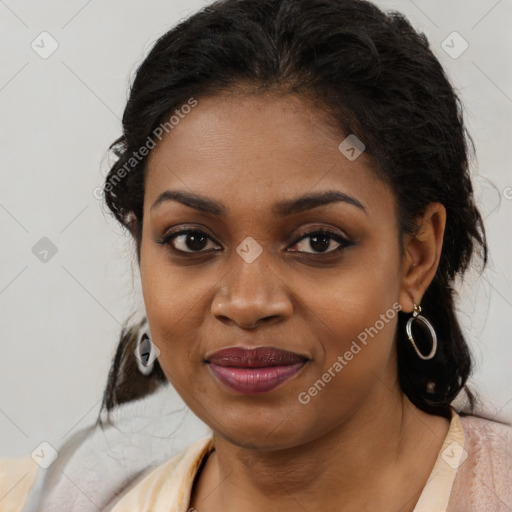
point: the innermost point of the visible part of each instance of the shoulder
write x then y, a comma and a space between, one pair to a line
484, 475
101, 462
169, 484
491, 439
17, 476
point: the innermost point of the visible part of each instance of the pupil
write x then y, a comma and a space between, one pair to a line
196, 241
319, 246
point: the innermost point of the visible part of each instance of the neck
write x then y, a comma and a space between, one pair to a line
379, 452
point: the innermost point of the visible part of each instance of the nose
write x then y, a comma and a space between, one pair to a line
252, 293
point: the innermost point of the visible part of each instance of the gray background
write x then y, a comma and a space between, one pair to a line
60, 318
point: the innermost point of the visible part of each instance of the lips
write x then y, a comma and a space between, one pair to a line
254, 358
255, 370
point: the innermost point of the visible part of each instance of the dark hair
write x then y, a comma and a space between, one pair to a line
375, 77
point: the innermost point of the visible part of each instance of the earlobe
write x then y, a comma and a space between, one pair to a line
407, 300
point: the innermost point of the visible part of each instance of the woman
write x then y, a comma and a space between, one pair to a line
295, 178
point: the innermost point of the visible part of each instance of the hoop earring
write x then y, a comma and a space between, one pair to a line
416, 316
145, 353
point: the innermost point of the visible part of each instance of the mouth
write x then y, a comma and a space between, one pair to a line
255, 370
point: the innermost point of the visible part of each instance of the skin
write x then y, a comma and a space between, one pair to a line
359, 442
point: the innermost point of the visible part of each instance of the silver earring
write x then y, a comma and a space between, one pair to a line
416, 316
145, 354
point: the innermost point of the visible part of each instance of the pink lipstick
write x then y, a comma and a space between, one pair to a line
254, 370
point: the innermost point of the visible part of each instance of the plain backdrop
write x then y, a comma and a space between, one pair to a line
61, 310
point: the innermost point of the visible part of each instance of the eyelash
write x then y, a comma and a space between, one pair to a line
344, 243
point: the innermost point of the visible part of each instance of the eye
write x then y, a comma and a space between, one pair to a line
196, 241
187, 241
320, 240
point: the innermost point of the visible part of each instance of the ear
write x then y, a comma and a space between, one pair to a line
422, 253
134, 227
131, 223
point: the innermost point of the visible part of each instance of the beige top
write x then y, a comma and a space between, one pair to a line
472, 472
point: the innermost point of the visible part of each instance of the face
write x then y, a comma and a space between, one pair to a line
254, 271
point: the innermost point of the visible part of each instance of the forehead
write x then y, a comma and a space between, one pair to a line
251, 151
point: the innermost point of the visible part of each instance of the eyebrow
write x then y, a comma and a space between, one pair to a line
281, 208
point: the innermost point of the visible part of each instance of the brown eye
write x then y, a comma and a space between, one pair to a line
320, 241
187, 241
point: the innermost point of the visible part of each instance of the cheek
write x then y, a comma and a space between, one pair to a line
358, 294
356, 326
171, 301
358, 359
169, 291
358, 333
